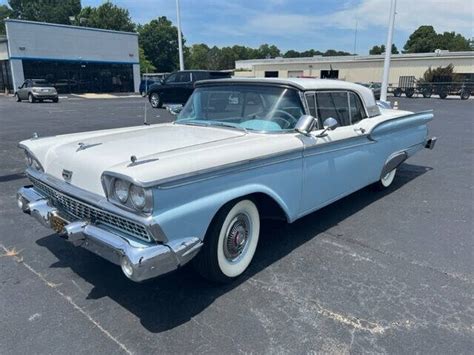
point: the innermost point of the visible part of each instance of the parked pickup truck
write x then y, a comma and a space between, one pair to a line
177, 87
153, 198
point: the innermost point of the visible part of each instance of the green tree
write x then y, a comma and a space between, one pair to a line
453, 42
381, 49
54, 11
440, 74
159, 40
107, 16
198, 56
145, 65
292, 54
425, 39
5, 12
333, 52
268, 51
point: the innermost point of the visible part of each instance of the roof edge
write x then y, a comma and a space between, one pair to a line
70, 26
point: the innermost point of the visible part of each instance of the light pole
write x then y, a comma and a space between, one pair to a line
388, 50
180, 40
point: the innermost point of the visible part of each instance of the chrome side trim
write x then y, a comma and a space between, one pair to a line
211, 173
311, 150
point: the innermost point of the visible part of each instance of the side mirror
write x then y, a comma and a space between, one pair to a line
329, 124
305, 124
174, 109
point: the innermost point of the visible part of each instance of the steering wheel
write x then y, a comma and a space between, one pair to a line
288, 120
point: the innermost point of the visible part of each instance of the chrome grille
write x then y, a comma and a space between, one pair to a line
74, 209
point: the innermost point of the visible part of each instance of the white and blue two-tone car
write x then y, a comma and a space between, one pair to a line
152, 198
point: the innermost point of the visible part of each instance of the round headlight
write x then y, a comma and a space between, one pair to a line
121, 189
138, 196
28, 158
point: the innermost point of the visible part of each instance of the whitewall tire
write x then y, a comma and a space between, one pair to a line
387, 180
230, 243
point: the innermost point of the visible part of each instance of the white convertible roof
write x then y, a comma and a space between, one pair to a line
308, 84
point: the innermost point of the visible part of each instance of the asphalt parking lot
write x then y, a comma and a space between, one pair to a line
383, 272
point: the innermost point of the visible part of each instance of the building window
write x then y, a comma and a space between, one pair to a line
295, 73
5, 76
329, 74
79, 77
271, 74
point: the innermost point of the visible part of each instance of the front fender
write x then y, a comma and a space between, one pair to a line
193, 218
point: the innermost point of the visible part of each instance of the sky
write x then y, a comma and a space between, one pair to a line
303, 24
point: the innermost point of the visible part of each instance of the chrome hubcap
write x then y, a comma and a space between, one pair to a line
237, 237
155, 100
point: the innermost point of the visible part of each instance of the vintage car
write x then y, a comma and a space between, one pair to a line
152, 198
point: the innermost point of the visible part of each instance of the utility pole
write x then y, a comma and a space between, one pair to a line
388, 50
180, 40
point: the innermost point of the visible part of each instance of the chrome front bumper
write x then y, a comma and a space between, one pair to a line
139, 260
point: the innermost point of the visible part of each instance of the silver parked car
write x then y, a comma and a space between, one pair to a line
35, 90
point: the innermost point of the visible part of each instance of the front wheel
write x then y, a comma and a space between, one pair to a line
55, 100
31, 99
155, 100
230, 243
17, 97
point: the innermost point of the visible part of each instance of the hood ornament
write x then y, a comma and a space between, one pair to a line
134, 161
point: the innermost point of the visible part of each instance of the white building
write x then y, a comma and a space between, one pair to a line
74, 59
355, 68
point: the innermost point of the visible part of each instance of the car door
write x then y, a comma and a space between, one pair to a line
23, 91
334, 162
184, 87
168, 89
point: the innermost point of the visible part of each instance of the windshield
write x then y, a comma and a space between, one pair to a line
250, 107
42, 84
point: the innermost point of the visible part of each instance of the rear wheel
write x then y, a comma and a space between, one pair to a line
443, 94
230, 243
55, 100
31, 99
397, 92
465, 94
386, 180
155, 100
409, 92
427, 93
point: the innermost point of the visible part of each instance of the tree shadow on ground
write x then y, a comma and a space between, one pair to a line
171, 300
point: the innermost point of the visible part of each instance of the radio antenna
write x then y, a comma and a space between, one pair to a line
145, 122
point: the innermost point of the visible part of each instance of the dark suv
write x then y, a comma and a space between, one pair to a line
178, 86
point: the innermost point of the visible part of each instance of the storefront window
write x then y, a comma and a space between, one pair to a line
77, 77
5, 76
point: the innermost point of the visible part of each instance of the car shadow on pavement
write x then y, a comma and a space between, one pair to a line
171, 300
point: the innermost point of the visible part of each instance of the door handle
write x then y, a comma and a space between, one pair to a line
360, 129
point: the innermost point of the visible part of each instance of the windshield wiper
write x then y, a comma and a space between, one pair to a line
229, 125
211, 123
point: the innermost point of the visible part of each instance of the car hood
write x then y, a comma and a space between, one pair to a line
88, 155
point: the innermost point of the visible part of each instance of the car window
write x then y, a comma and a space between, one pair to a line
311, 100
183, 77
171, 78
199, 76
356, 108
333, 104
253, 107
